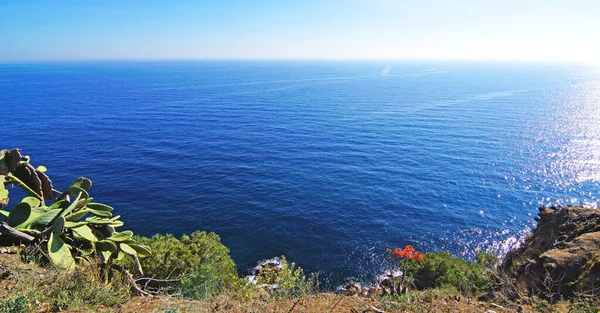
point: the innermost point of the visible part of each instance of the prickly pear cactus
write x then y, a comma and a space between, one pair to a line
72, 228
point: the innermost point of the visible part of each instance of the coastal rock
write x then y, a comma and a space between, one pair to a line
352, 289
560, 258
355, 289
372, 292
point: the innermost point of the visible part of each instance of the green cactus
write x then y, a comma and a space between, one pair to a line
72, 228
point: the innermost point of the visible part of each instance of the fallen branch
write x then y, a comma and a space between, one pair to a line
131, 281
294, 306
11, 232
156, 285
497, 306
158, 281
371, 308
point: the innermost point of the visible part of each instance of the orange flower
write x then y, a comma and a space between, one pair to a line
388, 250
418, 256
408, 253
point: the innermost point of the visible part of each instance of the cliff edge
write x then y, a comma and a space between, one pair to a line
561, 257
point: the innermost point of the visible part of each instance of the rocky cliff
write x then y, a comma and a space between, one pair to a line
561, 258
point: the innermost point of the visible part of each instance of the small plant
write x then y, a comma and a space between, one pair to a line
540, 305
14, 305
586, 305
442, 269
404, 298
289, 281
205, 283
486, 260
405, 258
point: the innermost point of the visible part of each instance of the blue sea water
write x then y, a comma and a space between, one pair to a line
328, 163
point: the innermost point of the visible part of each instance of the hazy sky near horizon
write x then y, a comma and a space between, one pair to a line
309, 29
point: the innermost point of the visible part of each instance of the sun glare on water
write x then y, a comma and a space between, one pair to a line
580, 156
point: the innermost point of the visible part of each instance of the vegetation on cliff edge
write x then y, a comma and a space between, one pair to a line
72, 256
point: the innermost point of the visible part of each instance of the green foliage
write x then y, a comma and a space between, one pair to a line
175, 258
202, 284
540, 305
487, 260
586, 305
200, 261
443, 269
85, 288
14, 305
72, 228
289, 281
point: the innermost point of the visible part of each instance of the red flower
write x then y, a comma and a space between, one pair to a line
418, 256
408, 253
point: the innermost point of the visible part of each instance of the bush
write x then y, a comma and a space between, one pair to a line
199, 260
176, 258
586, 303
443, 269
289, 282
202, 284
14, 305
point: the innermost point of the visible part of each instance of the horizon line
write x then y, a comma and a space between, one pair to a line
545, 61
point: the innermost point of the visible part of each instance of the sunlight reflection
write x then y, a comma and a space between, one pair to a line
581, 155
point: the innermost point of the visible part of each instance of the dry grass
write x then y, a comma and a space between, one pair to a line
322, 302
55, 290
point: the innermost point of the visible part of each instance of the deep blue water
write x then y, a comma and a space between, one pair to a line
328, 163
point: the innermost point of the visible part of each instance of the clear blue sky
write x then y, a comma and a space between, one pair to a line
565, 30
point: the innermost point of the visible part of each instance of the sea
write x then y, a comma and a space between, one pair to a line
325, 162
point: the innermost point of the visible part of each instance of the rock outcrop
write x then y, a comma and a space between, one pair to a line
560, 258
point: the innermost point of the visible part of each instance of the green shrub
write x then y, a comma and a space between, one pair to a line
289, 282
199, 260
14, 305
443, 269
586, 304
204, 283
175, 258
487, 260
